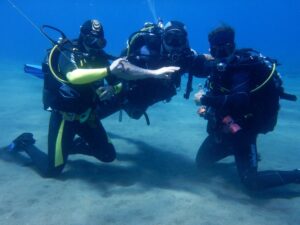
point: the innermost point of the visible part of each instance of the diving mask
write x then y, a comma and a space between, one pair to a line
222, 51
93, 41
175, 38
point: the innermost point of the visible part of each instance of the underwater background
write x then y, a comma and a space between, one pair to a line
154, 179
270, 26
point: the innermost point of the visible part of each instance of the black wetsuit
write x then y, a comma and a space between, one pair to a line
68, 102
146, 51
229, 95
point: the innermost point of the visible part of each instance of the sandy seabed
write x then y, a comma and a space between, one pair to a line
154, 179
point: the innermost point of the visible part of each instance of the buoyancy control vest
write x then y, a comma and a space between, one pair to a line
266, 88
58, 93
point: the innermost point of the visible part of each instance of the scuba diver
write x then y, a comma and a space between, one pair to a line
152, 47
241, 101
73, 71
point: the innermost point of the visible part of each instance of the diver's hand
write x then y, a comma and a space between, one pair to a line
165, 72
198, 96
105, 93
120, 68
117, 66
202, 111
208, 57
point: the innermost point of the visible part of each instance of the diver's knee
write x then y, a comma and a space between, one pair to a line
203, 164
250, 182
108, 155
107, 158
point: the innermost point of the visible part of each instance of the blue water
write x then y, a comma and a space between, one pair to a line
271, 26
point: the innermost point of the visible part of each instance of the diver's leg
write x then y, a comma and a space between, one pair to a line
247, 163
60, 140
211, 151
94, 141
60, 137
25, 143
39, 158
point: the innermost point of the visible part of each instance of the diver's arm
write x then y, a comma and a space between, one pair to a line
200, 65
238, 98
120, 68
86, 76
127, 71
137, 73
74, 75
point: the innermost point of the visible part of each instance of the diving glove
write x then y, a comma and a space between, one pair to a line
22, 141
